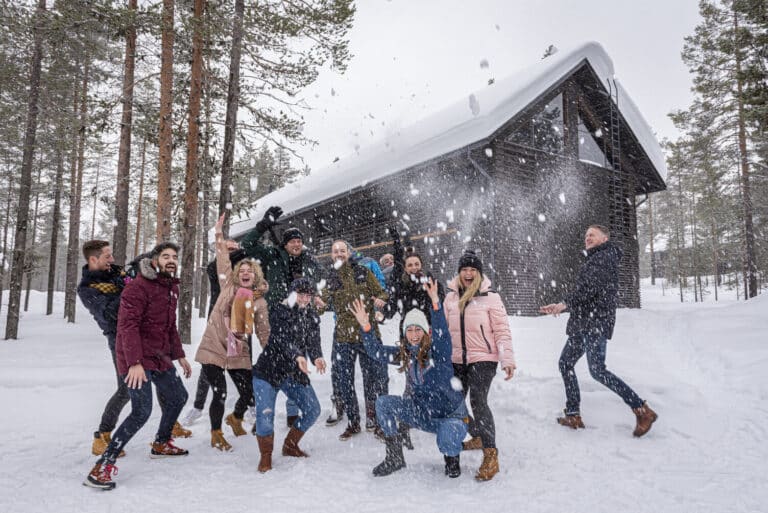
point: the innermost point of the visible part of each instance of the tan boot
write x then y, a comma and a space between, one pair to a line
180, 432
218, 441
645, 418
571, 421
473, 444
490, 465
100, 443
266, 443
236, 425
291, 444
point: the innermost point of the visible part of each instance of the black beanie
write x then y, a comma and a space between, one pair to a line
470, 259
292, 233
303, 286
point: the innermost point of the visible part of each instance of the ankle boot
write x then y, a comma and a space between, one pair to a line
180, 432
571, 421
218, 441
645, 418
370, 416
473, 444
452, 466
490, 465
266, 443
404, 430
236, 424
291, 444
394, 460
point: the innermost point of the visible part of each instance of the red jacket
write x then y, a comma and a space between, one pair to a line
484, 327
146, 322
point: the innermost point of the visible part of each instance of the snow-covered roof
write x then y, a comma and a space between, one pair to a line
472, 119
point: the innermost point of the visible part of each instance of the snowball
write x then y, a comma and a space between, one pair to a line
456, 384
541, 276
394, 213
248, 304
337, 264
254, 182
561, 197
467, 238
291, 299
489, 152
228, 206
542, 218
321, 285
474, 105
414, 192
406, 217
553, 283
598, 133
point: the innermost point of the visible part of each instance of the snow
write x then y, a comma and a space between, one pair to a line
471, 119
700, 366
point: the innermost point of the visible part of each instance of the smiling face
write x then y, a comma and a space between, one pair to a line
303, 299
103, 261
467, 276
593, 238
245, 276
414, 334
412, 265
294, 247
167, 261
339, 251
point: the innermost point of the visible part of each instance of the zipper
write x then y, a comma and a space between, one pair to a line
463, 339
487, 344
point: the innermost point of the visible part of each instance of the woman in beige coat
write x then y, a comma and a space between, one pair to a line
239, 308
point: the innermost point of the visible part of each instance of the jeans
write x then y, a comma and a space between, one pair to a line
450, 430
265, 396
595, 348
214, 375
375, 377
118, 400
476, 379
171, 395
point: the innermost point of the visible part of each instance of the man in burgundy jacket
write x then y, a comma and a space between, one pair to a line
147, 343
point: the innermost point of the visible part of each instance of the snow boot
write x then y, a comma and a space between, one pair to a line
100, 476
645, 419
452, 466
473, 444
352, 430
337, 414
193, 416
291, 444
101, 441
180, 432
490, 465
370, 416
167, 449
266, 443
404, 430
571, 421
290, 420
394, 460
218, 441
236, 424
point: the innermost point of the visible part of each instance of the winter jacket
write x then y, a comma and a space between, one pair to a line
146, 322
295, 332
213, 345
593, 301
100, 293
344, 285
406, 293
372, 266
482, 329
213, 276
430, 388
280, 269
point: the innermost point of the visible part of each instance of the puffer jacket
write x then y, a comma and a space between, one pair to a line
482, 329
213, 345
100, 293
146, 322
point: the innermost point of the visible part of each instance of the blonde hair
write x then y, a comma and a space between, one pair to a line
470, 292
255, 267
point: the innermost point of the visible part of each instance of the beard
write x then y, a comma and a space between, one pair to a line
168, 270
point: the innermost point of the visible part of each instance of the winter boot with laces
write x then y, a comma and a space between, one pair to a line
236, 424
571, 421
180, 432
645, 418
394, 460
218, 441
452, 466
473, 444
291, 444
266, 443
101, 441
166, 449
352, 430
490, 465
100, 476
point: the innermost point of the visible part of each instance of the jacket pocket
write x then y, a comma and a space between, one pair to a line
487, 344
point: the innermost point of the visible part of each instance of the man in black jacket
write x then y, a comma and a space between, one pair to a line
592, 304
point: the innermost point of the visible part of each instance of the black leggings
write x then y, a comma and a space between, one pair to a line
476, 379
214, 375
203, 386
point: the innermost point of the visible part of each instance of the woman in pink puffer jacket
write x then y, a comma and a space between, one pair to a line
481, 339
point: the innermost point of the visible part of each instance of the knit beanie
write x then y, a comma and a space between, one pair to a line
415, 317
470, 259
303, 286
292, 233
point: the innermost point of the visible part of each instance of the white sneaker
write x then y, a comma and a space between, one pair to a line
192, 417
250, 414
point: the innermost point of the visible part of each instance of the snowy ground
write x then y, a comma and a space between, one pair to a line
701, 366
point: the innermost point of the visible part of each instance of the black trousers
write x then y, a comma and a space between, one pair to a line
214, 375
203, 386
476, 380
118, 400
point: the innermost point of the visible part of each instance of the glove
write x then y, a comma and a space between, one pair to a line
394, 233
270, 219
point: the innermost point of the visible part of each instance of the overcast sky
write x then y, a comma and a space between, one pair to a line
414, 57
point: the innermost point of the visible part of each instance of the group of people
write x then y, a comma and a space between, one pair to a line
452, 342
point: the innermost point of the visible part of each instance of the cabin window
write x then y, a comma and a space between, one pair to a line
544, 131
591, 146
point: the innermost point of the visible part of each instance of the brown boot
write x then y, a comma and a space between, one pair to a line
180, 432
352, 430
571, 421
101, 441
236, 424
490, 465
473, 444
266, 443
218, 441
645, 418
291, 444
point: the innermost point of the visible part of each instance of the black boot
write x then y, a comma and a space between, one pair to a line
452, 466
404, 430
394, 459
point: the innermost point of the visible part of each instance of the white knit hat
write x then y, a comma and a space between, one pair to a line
415, 317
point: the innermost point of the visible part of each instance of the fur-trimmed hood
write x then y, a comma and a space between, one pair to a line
148, 271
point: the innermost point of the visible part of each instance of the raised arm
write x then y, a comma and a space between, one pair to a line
373, 346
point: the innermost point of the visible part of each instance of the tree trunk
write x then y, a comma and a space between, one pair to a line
25, 180
95, 201
30, 256
189, 224
165, 135
120, 237
206, 179
6, 223
715, 257
55, 222
233, 101
141, 197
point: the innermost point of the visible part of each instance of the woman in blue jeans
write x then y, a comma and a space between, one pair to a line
282, 366
431, 403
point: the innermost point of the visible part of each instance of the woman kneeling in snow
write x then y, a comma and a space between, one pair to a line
431, 404
282, 366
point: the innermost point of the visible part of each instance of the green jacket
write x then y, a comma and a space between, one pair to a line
275, 265
343, 286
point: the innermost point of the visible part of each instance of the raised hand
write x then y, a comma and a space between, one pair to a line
431, 288
358, 309
272, 214
220, 223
